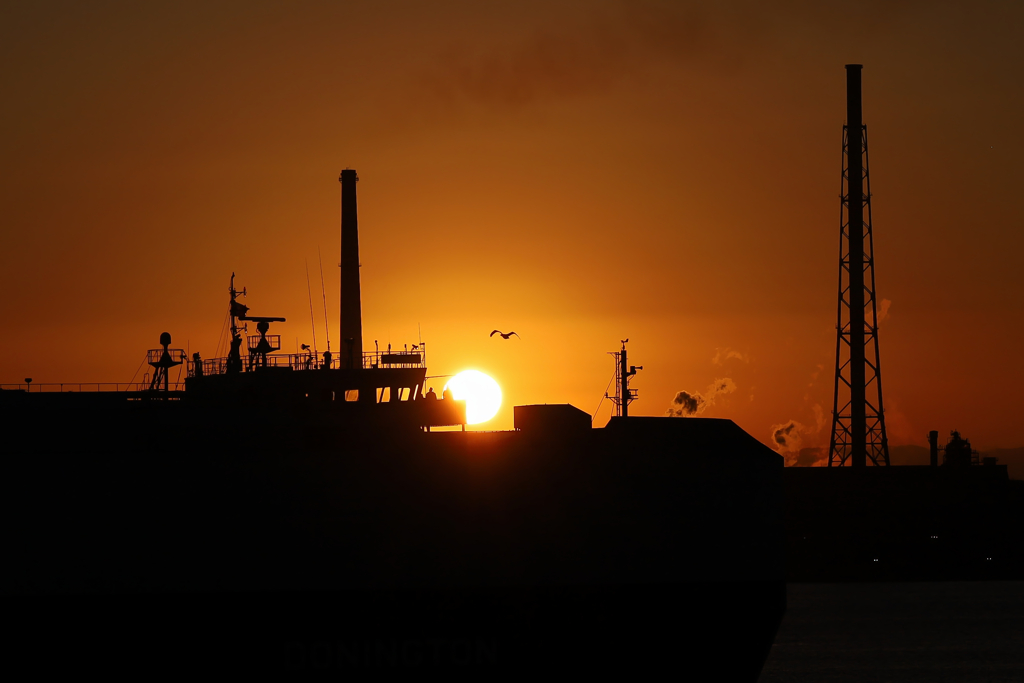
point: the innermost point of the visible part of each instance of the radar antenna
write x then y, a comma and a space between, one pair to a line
163, 360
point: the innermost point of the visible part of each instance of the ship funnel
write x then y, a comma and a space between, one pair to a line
351, 352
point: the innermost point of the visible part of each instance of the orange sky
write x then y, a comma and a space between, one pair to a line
579, 172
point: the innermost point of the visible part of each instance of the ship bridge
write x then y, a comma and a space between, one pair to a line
387, 382
352, 382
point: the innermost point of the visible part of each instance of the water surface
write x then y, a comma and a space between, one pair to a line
929, 632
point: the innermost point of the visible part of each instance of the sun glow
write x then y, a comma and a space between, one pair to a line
481, 394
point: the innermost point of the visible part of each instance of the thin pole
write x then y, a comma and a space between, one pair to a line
327, 327
310, 294
624, 380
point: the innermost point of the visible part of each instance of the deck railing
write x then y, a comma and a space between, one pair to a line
70, 387
154, 356
253, 341
307, 361
395, 359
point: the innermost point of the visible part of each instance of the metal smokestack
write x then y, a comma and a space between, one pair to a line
351, 303
933, 448
855, 171
858, 426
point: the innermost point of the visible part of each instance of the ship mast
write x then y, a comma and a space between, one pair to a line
623, 373
236, 311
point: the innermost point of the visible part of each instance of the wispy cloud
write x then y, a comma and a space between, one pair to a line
687, 404
603, 46
883, 309
726, 354
788, 438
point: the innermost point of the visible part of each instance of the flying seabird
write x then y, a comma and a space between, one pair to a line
504, 335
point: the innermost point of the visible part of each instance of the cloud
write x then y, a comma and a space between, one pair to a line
819, 417
883, 309
722, 355
605, 44
788, 437
686, 404
809, 457
719, 387
600, 48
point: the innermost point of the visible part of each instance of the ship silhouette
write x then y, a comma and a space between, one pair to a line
295, 513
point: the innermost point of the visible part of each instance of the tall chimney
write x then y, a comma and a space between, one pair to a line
855, 174
858, 425
933, 448
351, 350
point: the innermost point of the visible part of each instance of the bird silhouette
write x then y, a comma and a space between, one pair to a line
504, 335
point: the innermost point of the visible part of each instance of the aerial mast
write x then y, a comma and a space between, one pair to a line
623, 373
236, 310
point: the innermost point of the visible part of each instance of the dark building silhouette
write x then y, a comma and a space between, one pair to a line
549, 420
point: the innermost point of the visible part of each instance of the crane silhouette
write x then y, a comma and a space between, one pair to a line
504, 335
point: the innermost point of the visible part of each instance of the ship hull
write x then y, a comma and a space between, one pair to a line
719, 629
637, 546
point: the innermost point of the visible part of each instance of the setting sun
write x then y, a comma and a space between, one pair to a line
481, 394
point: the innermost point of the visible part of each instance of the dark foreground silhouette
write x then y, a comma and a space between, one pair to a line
651, 545
294, 515
903, 523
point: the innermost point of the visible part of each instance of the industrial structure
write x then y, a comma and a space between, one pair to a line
623, 373
851, 522
957, 453
858, 418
